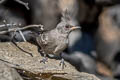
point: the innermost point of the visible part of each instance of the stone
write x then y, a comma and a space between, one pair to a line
29, 65
8, 73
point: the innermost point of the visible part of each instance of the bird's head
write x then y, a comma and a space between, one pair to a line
67, 24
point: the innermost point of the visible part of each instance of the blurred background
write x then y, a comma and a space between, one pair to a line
94, 49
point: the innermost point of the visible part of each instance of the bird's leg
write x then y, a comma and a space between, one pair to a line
45, 59
62, 63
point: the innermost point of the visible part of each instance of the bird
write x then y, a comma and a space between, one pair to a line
56, 40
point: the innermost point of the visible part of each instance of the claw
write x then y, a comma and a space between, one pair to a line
62, 63
45, 59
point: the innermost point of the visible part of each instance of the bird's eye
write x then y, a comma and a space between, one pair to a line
67, 26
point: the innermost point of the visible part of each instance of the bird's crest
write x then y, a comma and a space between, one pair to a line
66, 15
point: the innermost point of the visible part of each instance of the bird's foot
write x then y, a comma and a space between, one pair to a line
45, 59
62, 63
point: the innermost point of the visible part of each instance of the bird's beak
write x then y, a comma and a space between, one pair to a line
75, 27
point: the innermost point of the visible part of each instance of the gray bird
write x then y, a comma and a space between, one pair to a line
56, 40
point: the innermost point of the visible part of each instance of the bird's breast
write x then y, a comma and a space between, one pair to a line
47, 43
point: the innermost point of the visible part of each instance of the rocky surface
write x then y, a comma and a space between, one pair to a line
32, 67
8, 73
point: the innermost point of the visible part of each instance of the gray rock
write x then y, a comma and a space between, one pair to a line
81, 76
79, 51
20, 60
108, 36
8, 73
81, 61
